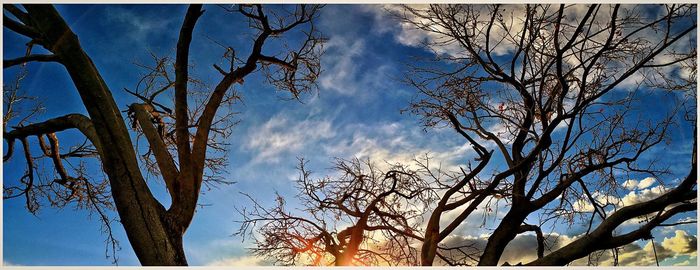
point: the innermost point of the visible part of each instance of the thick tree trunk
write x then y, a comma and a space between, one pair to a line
144, 218
504, 233
356, 237
429, 248
175, 249
344, 259
428, 251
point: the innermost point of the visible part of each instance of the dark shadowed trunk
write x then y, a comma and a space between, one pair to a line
144, 218
430, 243
154, 232
504, 233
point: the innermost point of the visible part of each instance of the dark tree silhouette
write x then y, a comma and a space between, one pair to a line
179, 138
343, 220
536, 85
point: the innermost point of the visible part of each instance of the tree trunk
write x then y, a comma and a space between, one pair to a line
506, 232
344, 259
144, 218
429, 248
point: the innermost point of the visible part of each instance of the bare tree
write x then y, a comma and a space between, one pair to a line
179, 131
536, 85
365, 216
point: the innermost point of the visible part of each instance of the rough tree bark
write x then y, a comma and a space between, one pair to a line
151, 230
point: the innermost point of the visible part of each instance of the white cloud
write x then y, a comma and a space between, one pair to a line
630, 184
406, 33
639, 191
395, 143
279, 136
681, 242
643, 195
647, 182
139, 27
584, 204
341, 66
343, 70
631, 255
504, 36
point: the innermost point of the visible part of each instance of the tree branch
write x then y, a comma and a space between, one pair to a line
19, 28
540, 238
30, 58
602, 238
165, 161
77, 121
276, 61
182, 133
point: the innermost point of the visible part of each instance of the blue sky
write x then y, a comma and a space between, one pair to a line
356, 112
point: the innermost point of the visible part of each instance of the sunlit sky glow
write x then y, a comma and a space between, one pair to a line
357, 112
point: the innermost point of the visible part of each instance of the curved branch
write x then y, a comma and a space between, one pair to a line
56, 157
182, 134
458, 127
77, 121
19, 28
30, 58
602, 238
160, 151
540, 238
19, 14
276, 61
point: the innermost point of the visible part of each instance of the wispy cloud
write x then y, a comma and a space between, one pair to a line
140, 26
341, 65
407, 34
639, 191
396, 142
346, 71
283, 136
